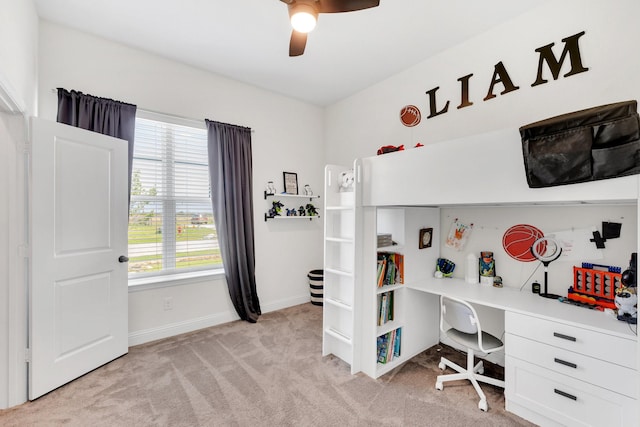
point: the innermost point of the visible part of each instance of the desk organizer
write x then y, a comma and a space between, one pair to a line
595, 284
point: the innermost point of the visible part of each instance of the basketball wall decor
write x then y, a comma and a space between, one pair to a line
410, 115
517, 241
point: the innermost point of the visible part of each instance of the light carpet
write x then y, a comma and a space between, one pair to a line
271, 373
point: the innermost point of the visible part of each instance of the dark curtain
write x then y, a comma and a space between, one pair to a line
102, 115
231, 177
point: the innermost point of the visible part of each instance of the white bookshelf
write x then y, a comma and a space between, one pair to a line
411, 310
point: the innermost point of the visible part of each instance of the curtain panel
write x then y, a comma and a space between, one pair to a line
230, 171
102, 115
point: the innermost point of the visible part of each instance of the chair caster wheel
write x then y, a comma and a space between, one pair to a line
439, 386
483, 405
442, 366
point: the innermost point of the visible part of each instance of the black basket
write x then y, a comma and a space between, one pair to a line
316, 286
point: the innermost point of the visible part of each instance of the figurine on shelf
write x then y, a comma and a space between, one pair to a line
311, 210
626, 302
271, 189
307, 190
301, 211
276, 209
292, 212
346, 180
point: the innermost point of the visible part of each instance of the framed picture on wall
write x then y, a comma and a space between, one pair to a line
290, 182
426, 236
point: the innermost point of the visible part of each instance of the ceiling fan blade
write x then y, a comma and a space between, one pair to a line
297, 43
336, 6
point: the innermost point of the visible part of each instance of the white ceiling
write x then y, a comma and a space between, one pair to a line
248, 40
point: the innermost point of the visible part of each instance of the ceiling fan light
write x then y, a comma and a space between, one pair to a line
303, 18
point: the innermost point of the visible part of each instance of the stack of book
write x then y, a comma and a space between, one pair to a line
384, 240
389, 346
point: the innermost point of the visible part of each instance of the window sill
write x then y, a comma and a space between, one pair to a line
146, 283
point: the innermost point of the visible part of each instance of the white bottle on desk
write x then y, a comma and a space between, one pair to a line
472, 268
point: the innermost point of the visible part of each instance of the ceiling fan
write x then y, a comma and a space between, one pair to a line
304, 14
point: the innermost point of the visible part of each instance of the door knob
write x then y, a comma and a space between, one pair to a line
123, 258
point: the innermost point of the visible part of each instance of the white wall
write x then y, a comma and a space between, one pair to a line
18, 50
18, 75
358, 126
288, 136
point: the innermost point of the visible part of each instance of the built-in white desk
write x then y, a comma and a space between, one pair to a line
564, 365
525, 302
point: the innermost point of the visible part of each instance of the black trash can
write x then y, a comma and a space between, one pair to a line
316, 285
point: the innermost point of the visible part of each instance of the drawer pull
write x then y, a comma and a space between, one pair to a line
564, 337
565, 363
565, 394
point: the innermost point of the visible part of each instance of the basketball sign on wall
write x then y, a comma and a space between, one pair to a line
410, 115
517, 241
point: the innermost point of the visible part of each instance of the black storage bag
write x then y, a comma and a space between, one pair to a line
597, 143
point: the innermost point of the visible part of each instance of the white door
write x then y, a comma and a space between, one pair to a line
78, 296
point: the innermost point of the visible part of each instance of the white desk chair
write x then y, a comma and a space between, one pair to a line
465, 329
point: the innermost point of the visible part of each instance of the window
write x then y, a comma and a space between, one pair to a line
171, 228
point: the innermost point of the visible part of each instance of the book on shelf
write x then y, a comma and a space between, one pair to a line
391, 273
386, 355
396, 348
385, 308
382, 307
382, 267
382, 349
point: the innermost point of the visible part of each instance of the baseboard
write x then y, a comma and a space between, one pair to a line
173, 329
289, 302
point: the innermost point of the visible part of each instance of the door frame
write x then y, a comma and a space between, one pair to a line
15, 154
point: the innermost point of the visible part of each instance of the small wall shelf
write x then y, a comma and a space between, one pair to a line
298, 196
284, 217
291, 198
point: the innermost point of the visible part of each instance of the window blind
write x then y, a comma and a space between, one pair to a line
171, 227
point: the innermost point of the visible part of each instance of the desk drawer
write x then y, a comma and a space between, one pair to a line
564, 399
595, 344
594, 371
